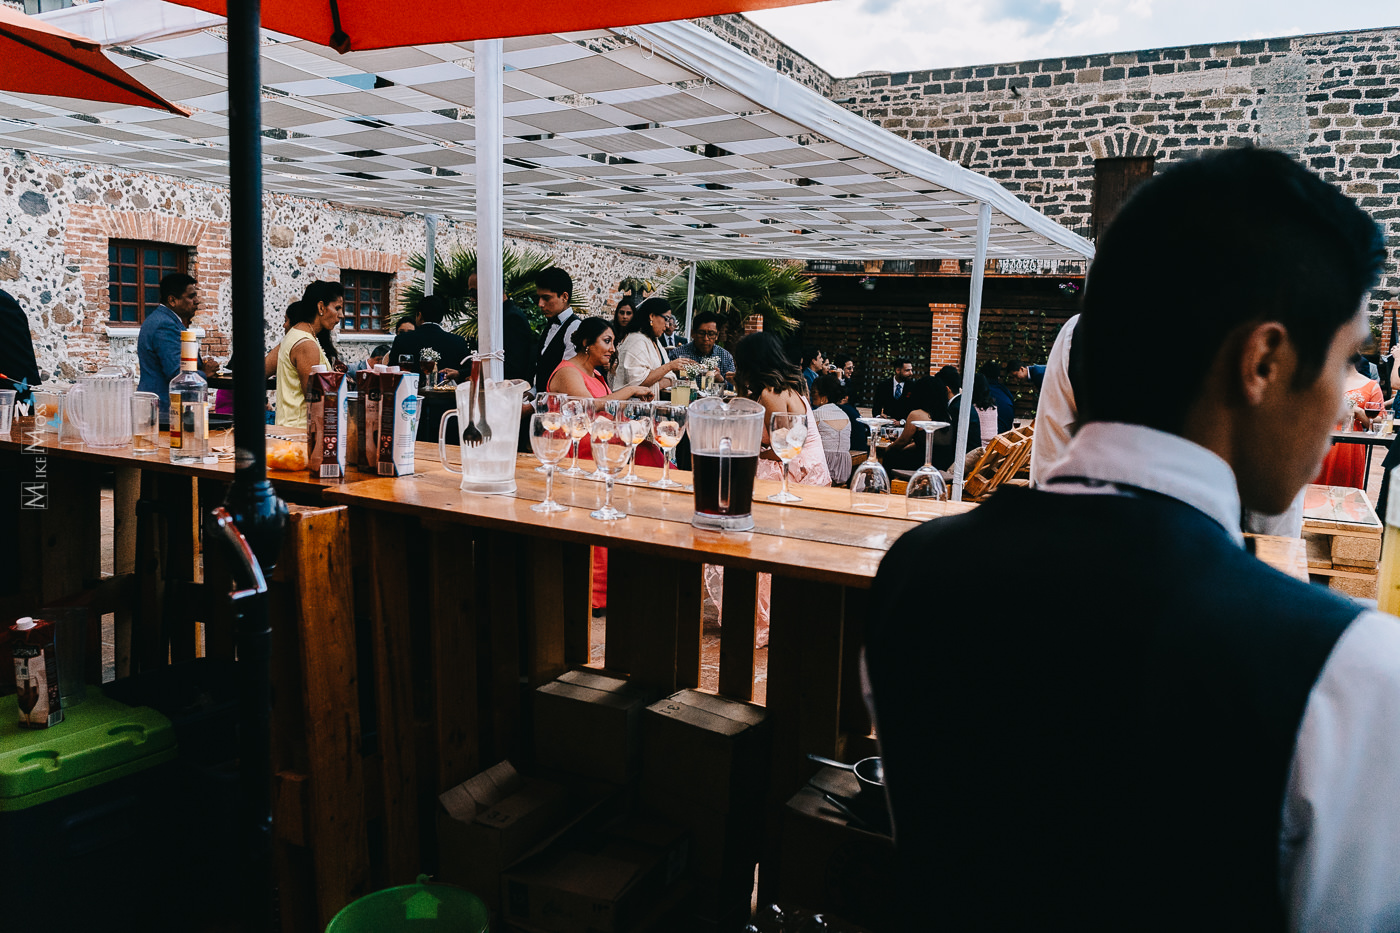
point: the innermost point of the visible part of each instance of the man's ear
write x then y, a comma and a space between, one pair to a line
1266, 360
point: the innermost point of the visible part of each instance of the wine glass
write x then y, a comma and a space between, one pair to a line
578, 418
547, 401
610, 458
611, 410
926, 485
787, 432
634, 428
550, 440
668, 429
870, 484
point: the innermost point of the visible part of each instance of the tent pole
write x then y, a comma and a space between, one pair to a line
690, 301
430, 254
490, 150
974, 320
257, 513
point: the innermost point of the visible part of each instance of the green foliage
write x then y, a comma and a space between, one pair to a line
450, 274
737, 288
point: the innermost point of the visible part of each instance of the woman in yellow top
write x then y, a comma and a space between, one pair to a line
318, 311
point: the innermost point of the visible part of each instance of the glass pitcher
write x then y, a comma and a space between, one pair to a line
100, 407
724, 444
488, 467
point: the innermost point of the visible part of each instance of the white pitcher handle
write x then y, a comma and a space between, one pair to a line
442, 441
70, 408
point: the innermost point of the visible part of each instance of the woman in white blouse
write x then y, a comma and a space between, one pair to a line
641, 360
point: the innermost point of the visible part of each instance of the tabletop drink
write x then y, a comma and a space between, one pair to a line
356, 454
724, 446
189, 406
398, 422
99, 408
489, 466
32, 646
145, 422
325, 423
372, 391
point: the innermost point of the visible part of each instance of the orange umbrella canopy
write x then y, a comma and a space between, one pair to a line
347, 25
36, 58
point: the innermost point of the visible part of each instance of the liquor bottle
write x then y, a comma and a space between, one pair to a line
189, 407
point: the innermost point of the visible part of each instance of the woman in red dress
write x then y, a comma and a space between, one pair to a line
581, 377
1345, 464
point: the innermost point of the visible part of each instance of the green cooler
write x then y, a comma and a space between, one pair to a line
85, 819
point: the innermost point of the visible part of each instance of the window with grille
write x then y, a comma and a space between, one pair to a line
366, 301
134, 271
1114, 181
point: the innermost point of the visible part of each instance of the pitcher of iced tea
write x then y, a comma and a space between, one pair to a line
725, 438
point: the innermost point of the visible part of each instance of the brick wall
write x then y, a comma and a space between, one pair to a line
946, 345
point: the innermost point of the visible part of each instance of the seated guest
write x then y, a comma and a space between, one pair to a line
641, 360
985, 406
704, 345
834, 426
765, 374
974, 429
928, 401
890, 401
1006, 406
1213, 742
377, 356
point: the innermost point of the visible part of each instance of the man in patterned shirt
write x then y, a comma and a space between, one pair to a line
704, 345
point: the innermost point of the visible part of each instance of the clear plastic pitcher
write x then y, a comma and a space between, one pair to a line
100, 407
488, 467
724, 443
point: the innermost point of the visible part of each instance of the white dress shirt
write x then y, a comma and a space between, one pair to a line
569, 321
1339, 848
1056, 414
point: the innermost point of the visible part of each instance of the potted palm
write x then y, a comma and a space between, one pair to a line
735, 289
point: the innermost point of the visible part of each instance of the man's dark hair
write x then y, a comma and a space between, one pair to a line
1014, 365
1255, 237
950, 377
704, 317
174, 285
380, 350
992, 371
902, 361
322, 291
555, 279
809, 355
843, 359
433, 308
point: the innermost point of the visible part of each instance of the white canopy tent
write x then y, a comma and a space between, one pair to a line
660, 138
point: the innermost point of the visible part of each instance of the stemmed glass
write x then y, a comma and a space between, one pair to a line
548, 401
550, 442
668, 429
927, 484
634, 428
609, 409
870, 484
787, 432
610, 459
578, 419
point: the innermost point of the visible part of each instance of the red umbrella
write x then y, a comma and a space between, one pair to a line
372, 24
36, 58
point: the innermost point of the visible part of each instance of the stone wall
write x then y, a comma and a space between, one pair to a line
748, 36
56, 218
1037, 127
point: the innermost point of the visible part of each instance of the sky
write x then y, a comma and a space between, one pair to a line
846, 37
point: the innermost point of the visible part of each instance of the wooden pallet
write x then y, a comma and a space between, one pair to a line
1001, 460
1342, 534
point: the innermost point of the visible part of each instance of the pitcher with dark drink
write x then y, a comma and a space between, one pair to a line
724, 443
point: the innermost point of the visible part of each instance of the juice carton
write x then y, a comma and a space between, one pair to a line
398, 422
36, 673
325, 423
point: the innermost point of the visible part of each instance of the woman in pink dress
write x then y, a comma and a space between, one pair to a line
1345, 464
581, 377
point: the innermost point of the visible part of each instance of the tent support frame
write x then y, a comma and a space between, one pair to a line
974, 321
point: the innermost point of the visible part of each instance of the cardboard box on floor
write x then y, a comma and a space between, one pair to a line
589, 724
608, 887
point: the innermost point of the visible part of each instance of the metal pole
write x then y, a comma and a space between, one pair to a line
252, 503
690, 301
974, 320
490, 180
430, 251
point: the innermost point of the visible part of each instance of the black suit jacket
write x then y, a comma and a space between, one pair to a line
886, 405
522, 351
16, 348
452, 349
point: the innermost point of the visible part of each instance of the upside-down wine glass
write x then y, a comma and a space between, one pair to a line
634, 428
550, 442
787, 432
668, 429
926, 486
548, 401
870, 484
610, 458
578, 419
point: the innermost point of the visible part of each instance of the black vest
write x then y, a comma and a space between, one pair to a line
552, 354
1101, 739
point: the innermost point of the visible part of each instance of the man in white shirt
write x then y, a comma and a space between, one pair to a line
553, 291
1168, 735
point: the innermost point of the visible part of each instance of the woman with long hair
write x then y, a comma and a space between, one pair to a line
317, 313
323, 294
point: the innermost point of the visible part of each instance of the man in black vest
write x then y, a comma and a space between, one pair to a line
1163, 733
553, 290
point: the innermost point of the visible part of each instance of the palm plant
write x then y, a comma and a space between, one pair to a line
518, 270
736, 288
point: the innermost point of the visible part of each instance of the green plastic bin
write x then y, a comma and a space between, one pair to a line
414, 908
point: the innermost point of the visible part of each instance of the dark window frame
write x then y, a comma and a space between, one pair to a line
357, 319
145, 289
1115, 180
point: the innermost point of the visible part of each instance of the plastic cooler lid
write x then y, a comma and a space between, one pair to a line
99, 740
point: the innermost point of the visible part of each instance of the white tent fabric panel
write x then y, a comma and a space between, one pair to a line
660, 138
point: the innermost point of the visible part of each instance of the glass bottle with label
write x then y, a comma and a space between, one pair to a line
189, 406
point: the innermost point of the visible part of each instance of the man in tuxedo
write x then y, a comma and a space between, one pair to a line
1172, 735
452, 349
518, 337
554, 289
892, 397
